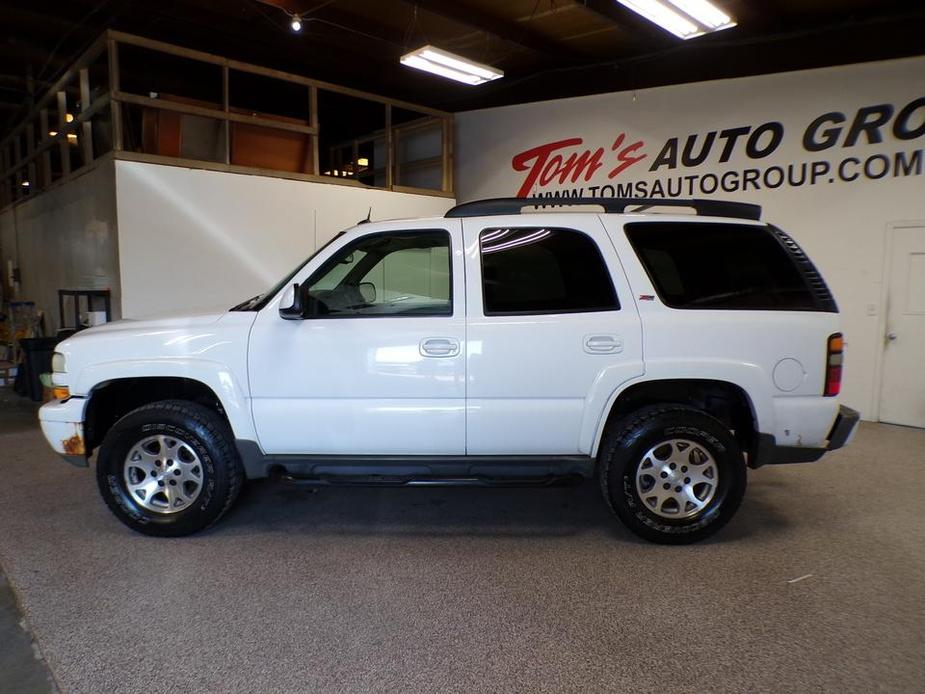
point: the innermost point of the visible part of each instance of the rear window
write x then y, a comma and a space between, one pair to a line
720, 266
539, 270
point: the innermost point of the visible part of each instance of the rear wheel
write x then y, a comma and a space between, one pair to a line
672, 474
169, 468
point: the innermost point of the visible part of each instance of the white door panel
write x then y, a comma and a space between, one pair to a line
372, 384
535, 380
362, 426
902, 393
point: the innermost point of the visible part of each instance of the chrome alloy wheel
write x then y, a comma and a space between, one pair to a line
163, 474
677, 479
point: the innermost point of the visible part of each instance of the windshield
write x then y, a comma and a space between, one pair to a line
255, 303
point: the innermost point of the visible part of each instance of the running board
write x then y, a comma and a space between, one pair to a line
415, 470
424, 480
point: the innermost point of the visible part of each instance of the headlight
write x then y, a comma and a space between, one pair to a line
58, 363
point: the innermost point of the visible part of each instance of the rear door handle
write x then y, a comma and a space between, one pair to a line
439, 347
603, 344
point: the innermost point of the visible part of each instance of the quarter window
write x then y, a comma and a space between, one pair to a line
543, 270
720, 266
392, 274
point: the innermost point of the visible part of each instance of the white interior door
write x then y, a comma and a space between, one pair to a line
902, 393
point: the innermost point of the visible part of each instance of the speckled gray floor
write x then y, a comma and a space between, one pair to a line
459, 590
22, 669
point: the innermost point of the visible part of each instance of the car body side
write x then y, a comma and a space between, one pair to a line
739, 349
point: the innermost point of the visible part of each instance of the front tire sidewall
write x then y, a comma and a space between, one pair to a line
626, 457
141, 424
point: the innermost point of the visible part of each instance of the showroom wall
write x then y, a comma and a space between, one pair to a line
199, 239
834, 156
64, 238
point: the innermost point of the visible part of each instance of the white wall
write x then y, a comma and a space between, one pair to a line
191, 239
841, 224
65, 238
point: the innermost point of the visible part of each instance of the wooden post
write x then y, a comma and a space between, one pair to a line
86, 128
390, 155
17, 158
46, 153
62, 134
447, 155
226, 107
112, 48
30, 149
7, 195
313, 121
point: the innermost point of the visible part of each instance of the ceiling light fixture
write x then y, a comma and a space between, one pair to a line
685, 19
450, 65
296, 23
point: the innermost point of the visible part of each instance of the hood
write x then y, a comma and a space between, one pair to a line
156, 346
160, 321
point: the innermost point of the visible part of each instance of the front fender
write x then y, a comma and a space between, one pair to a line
216, 375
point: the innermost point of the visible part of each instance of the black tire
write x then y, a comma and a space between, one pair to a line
206, 433
623, 450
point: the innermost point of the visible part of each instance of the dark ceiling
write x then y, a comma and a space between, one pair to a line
547, 48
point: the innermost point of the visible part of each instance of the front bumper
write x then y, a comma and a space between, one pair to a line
62, 425
767, 452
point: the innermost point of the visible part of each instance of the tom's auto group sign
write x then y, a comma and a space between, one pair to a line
684, 166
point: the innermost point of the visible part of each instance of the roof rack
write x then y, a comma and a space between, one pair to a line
707, 208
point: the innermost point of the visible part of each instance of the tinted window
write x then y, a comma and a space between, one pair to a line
405, 273
729, 266
542, 270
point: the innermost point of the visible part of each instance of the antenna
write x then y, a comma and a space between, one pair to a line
368, 217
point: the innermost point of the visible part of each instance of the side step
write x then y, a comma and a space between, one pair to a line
415, 470
328, 480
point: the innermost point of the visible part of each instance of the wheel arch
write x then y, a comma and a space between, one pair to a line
727, 401
110, 400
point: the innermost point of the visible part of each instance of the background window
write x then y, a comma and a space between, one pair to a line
543, 270
705, 265
405, 273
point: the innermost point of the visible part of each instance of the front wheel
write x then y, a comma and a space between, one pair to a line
169, 468
672, 474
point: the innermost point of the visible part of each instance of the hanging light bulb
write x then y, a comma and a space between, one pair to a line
296, 23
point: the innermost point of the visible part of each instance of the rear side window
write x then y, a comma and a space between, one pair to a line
721, 266
543, 270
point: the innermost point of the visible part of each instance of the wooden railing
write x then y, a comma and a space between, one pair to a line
84, 115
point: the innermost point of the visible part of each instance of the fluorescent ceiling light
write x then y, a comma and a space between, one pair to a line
683, 18
450, 65
708, 14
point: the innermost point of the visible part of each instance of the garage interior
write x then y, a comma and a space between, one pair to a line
229, 141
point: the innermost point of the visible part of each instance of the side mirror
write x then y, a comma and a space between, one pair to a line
368, 292
291, 308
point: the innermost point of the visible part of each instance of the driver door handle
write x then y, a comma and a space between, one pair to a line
439, 347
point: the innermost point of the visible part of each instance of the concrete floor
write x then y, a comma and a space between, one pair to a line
817, 585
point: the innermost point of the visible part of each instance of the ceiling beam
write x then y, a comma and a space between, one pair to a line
519, 34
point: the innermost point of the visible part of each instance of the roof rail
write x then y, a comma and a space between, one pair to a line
708, 208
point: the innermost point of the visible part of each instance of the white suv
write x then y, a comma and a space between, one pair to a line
662, 353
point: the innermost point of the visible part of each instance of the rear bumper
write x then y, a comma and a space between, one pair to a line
767, 452
846, 424
62, 425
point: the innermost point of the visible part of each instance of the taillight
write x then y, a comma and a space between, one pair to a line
833, 364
